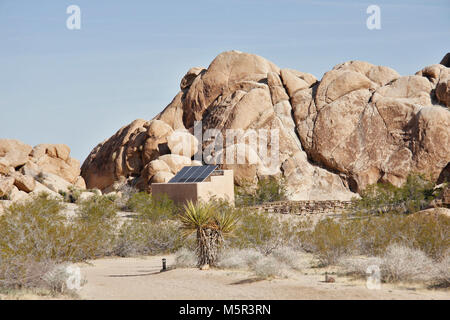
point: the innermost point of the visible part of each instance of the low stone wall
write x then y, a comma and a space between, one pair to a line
304, 207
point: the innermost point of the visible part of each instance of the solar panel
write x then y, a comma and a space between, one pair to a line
193, 174
179, 175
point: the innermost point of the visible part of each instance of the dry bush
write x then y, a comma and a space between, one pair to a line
357, 266
290, 257
401, 263
268, 267
239, 258
442, 273
57, 278
185, 258
126, 193
277, 264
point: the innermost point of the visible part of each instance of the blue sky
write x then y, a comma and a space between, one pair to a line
79, 87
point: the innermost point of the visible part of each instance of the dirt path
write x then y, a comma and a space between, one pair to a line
139, 278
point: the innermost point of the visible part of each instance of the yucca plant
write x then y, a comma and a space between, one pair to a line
211, 225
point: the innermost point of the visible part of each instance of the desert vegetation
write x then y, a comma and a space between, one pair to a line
268, 189
39, 238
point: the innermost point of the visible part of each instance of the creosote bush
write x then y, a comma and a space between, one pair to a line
35, 237
145, 237
99, 223
330, 239
415, 195
152, 208
263, 232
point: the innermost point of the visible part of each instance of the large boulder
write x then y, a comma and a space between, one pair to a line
360, 124
24, 183
14, 153
175, 162
162, 177
26, 171
55, 158
54, 182
18, 195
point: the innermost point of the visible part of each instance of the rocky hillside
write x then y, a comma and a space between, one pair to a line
358, 125
25, 170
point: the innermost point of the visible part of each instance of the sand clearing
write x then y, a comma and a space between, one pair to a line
140, 278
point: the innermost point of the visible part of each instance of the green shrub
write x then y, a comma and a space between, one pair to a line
145, 237
152, 208
97, 222
371, 235
35, 237
262, 232
330, 240
268, 189
415, 194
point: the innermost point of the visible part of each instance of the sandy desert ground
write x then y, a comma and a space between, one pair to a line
140, 278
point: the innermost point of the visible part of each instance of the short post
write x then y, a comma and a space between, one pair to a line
164, 267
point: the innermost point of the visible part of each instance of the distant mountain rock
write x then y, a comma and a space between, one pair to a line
360, 124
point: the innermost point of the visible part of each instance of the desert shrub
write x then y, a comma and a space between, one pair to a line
415, 194
442, 273
429, 233
159, 208
262, 232
357, 265
276, 264
185, 258
330, 240
97, 208
126, 192
35, 238
372, 235
142, 237
401, 263
97, 224
268, 267
57, 278
268, 189
233, 258
289, 257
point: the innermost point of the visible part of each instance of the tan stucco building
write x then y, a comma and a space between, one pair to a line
217, 185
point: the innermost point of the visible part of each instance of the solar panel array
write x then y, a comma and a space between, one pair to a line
193, 174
